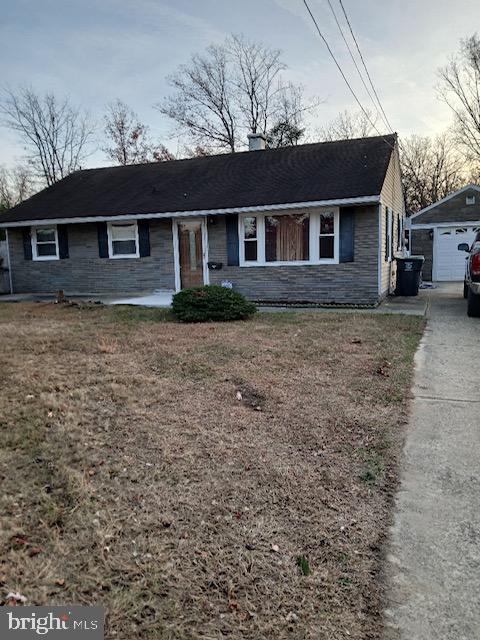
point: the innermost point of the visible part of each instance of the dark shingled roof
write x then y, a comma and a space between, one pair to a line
305, 173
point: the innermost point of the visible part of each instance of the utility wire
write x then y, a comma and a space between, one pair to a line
364, 65
355, 62
343, 75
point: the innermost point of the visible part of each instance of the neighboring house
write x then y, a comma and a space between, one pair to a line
437, 230
311, 223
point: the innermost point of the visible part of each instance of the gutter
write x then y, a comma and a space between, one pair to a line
434, 225
339, 202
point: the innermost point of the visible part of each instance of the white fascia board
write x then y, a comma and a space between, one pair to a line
340, 202
433, 225
449, 197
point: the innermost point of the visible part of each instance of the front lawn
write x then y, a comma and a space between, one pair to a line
202, 481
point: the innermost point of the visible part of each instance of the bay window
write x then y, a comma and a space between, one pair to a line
123, 240
289, 238
45, 243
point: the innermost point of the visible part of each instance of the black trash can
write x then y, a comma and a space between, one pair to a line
409, 271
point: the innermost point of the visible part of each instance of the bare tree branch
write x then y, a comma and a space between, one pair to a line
54, 133
203, 100
16, 185
348, 125
459, 88
431, 168
128, 138
231, 90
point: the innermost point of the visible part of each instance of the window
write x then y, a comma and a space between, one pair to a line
327, 235
45, 243
123, 240
470, 199
250, 239
289, 238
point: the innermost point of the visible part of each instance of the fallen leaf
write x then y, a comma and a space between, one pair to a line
14, 598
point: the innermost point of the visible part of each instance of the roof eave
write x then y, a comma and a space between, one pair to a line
337, 202
439, 202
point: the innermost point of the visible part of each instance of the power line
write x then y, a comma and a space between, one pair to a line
354, 61
343, 75
364, 65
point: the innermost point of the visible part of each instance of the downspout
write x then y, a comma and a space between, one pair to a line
9, 262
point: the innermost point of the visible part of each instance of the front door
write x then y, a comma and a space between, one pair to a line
190, 250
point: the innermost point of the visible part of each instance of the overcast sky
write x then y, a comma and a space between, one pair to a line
98, 50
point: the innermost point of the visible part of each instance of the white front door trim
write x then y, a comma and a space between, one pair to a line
176, 250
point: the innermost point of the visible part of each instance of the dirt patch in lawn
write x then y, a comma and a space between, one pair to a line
202, 481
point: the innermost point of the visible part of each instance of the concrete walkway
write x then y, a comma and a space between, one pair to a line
434, 570
416, 305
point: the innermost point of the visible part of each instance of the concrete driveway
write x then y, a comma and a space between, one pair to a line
434, 569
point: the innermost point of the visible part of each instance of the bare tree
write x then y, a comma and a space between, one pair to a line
255, 74
348, 125
16, 185
55, 134
203, 101
432, 168
129, 139
231, 90
460, 88
195, 152
289, 125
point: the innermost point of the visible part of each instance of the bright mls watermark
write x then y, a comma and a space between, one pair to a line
25, 623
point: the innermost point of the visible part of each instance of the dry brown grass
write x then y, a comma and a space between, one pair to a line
133, 475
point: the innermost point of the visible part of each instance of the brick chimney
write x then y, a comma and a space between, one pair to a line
256, 141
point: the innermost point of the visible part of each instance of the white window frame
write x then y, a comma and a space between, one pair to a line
314, 239
469, 200
122, 256
34, 242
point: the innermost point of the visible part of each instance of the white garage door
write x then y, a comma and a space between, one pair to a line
448, 262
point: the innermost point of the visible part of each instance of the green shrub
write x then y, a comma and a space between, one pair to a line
211, 302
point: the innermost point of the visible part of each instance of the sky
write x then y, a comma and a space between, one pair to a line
95, 51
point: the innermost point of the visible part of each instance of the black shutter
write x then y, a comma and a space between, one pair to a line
386, 234
144, 238
62, 241
231, 222
27, 243
347, 235
102, 239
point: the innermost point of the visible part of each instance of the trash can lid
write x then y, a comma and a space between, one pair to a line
400, 258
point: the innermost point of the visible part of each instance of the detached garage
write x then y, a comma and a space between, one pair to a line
437, 230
